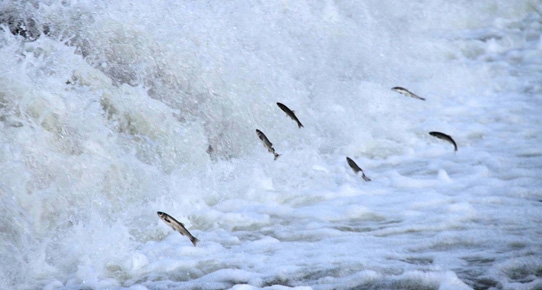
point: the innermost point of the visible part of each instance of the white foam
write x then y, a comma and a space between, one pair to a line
125, 110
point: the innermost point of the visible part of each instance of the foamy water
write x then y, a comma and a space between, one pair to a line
111, 112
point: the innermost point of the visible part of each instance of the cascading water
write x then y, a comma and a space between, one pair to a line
113, 110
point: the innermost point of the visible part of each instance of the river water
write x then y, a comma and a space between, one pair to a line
113, 110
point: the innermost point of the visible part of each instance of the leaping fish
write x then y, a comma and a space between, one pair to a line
178, 226
267, 143
290, 114
407, 93
444, 137
357, 169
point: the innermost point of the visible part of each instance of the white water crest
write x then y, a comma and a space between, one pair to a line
113, 110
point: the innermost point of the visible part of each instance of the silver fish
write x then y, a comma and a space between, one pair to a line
407, 93
267, 143
178, 226
290, 114
357, 169
444, 137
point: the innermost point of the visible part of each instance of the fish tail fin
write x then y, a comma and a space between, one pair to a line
365, 177
276, 156
194, 241
299, 125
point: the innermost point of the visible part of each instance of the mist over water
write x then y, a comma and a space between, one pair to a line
112, 111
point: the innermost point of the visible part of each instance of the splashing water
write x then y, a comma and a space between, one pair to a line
112, 111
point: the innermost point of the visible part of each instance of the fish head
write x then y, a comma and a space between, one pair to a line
350, 162
400, 90
260, 134
164, 216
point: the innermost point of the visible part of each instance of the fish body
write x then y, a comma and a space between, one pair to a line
444, 137
177, 226
267, 143
357, 169
290, 114
407, 93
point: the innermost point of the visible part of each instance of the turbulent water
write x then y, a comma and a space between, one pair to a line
113, 110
